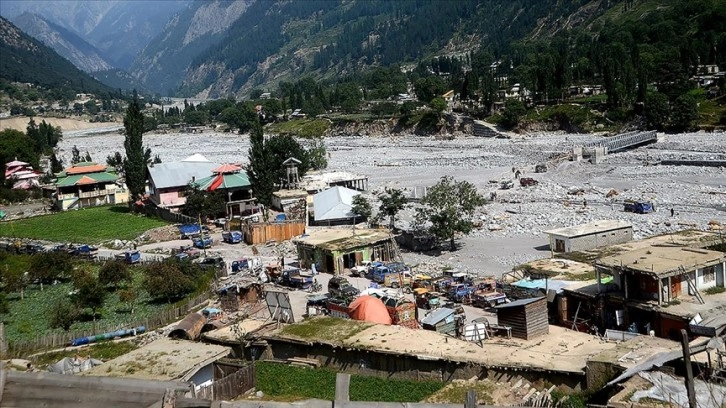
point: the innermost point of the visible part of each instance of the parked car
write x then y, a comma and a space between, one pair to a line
202, 241
339, 286
232, 237
360, 270
212, 262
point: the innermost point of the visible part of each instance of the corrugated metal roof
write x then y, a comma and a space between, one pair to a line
102, 177
334, 203
177, 174
233, 180
520, 302
437, 316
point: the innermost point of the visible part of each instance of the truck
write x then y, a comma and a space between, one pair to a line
396, 280
295, 278
360, 270
338, 286
459, 292
202, 241
130, 257
232, 237
638, 207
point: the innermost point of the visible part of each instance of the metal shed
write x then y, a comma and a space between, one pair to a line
442, 320
526, 317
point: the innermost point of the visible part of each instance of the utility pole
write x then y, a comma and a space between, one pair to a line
689, 370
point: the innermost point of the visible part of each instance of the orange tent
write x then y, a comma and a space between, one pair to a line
369, 309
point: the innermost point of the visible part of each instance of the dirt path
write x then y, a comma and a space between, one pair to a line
66, 124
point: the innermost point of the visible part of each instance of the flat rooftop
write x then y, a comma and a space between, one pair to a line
663, 260
635, 351
231, 334
337, 239
562, 350
590, 228
164, 359
560, 268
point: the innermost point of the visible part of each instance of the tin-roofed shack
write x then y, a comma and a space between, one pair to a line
526, 317
591, 235
335, 250
239, 291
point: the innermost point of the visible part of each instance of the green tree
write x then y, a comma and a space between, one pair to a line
392, 202
113, 273
75, 155
438, 104
16, 144
90, 292
656, 110
56, 165
317, 153
64, 314
128, 296
449, 206
46, 267
135, 163
684, 113
260, 169
361, 207
116, 161
513, 111
196, 117
165, 280
203, 203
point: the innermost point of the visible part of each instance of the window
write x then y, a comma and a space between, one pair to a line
709, 274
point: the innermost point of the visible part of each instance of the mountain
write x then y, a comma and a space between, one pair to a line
273, 41
164, 61
66, 43
25, 59
119, 29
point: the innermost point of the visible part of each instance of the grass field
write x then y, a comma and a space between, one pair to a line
289, 383
30, 317
90, 225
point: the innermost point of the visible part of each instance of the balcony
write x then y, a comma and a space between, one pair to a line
86, 194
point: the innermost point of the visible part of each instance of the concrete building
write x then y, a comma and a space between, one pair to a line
335, 250
87, 185
664, 274
316, 182
283, 200
589, 236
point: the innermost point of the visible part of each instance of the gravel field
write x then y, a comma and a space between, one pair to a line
512, 225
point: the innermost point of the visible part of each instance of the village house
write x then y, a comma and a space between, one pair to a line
449, 98
333, 251
88, 184
587, 236
22, 174
168, 182
284, 200
334, 206
230, 179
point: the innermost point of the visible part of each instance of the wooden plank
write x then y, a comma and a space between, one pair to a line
2, 380
470, 399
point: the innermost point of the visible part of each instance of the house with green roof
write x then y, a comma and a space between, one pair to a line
88, 184
236, 186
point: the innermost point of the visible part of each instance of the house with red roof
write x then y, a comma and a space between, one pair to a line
22, 174
88, 184
230, 179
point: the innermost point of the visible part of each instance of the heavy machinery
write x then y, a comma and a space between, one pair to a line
638, 207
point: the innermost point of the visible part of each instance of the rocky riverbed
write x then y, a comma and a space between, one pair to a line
511, 227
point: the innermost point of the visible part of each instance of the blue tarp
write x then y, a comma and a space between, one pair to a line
556, 285
189, 229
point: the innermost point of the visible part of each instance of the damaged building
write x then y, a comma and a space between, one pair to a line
335, 250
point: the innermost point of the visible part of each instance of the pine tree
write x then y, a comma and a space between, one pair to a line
259, 171
135, 163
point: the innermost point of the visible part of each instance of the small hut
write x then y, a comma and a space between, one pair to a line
526, 317
234, 295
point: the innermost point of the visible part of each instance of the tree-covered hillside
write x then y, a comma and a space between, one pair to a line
24, 59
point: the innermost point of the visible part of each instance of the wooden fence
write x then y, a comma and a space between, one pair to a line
260, 233
231, 386
60, 339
